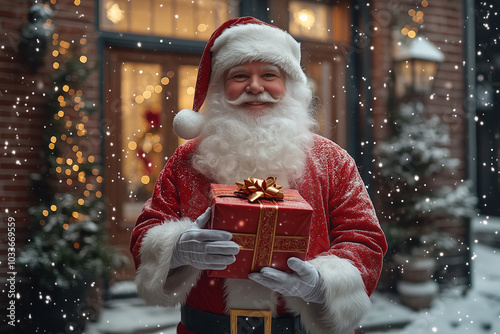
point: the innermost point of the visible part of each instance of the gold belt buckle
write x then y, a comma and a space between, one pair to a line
235, 313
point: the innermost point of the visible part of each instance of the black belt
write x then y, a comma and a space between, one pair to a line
239, 322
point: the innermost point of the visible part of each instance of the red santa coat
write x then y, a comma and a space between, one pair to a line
346, 244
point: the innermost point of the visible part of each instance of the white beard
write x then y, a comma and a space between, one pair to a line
237, 143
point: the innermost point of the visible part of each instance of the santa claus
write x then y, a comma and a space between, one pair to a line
257, 121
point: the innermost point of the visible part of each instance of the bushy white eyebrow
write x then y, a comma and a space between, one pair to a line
272, 68
267, 68
232, 70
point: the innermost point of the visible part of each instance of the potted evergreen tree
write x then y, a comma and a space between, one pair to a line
411, 162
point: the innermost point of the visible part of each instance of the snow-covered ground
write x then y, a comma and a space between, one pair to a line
452, 312
476, 312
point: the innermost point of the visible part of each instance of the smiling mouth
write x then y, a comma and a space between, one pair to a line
255, 103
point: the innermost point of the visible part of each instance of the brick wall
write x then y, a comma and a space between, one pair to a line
443, 26
23, 110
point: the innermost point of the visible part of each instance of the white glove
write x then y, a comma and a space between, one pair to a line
305, 282
204, 249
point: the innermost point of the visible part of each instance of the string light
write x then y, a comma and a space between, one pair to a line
71, 159
417, 17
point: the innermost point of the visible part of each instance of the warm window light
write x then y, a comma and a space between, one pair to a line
409, 31
64, 44
145, 179
202, 27
139, 99
304, 17
132, 145
114, 13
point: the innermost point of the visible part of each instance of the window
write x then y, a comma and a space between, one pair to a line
323, 28
319, 21
174, 18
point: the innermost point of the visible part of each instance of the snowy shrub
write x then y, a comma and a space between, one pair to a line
410, 161
418, 148
64, 249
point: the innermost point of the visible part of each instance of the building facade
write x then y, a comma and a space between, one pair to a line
146, 55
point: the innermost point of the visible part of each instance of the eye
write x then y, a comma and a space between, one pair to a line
238, 77
270, 75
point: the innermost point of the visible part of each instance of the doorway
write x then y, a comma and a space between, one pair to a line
143, 90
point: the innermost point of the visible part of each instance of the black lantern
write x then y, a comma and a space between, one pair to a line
416, 64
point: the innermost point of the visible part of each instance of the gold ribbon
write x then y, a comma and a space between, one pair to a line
254, 188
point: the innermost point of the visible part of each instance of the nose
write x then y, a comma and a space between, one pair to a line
254, 85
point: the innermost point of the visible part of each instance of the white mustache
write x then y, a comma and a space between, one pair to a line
263, 97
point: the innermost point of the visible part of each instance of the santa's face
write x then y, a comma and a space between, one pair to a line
272, 141
254, 86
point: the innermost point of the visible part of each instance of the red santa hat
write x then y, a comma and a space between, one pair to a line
237, 41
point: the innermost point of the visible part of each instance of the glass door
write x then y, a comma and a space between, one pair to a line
143, 91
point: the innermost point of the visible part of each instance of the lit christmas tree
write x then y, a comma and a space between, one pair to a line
68, 251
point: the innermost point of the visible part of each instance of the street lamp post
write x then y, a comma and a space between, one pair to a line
416, 64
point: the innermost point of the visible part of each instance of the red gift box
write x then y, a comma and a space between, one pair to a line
268, 231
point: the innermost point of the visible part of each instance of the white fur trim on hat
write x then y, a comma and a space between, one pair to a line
256, 42
188, 123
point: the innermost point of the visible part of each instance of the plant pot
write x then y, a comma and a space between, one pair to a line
415, 268
419, 295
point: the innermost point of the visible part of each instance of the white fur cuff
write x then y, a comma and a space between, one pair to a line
346, 299
152, 280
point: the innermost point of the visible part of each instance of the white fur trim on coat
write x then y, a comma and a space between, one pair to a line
153, 282
346, 299
249, 295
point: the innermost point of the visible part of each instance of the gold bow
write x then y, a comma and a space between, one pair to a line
253, 189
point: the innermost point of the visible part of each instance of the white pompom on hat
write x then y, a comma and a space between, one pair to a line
237, 41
